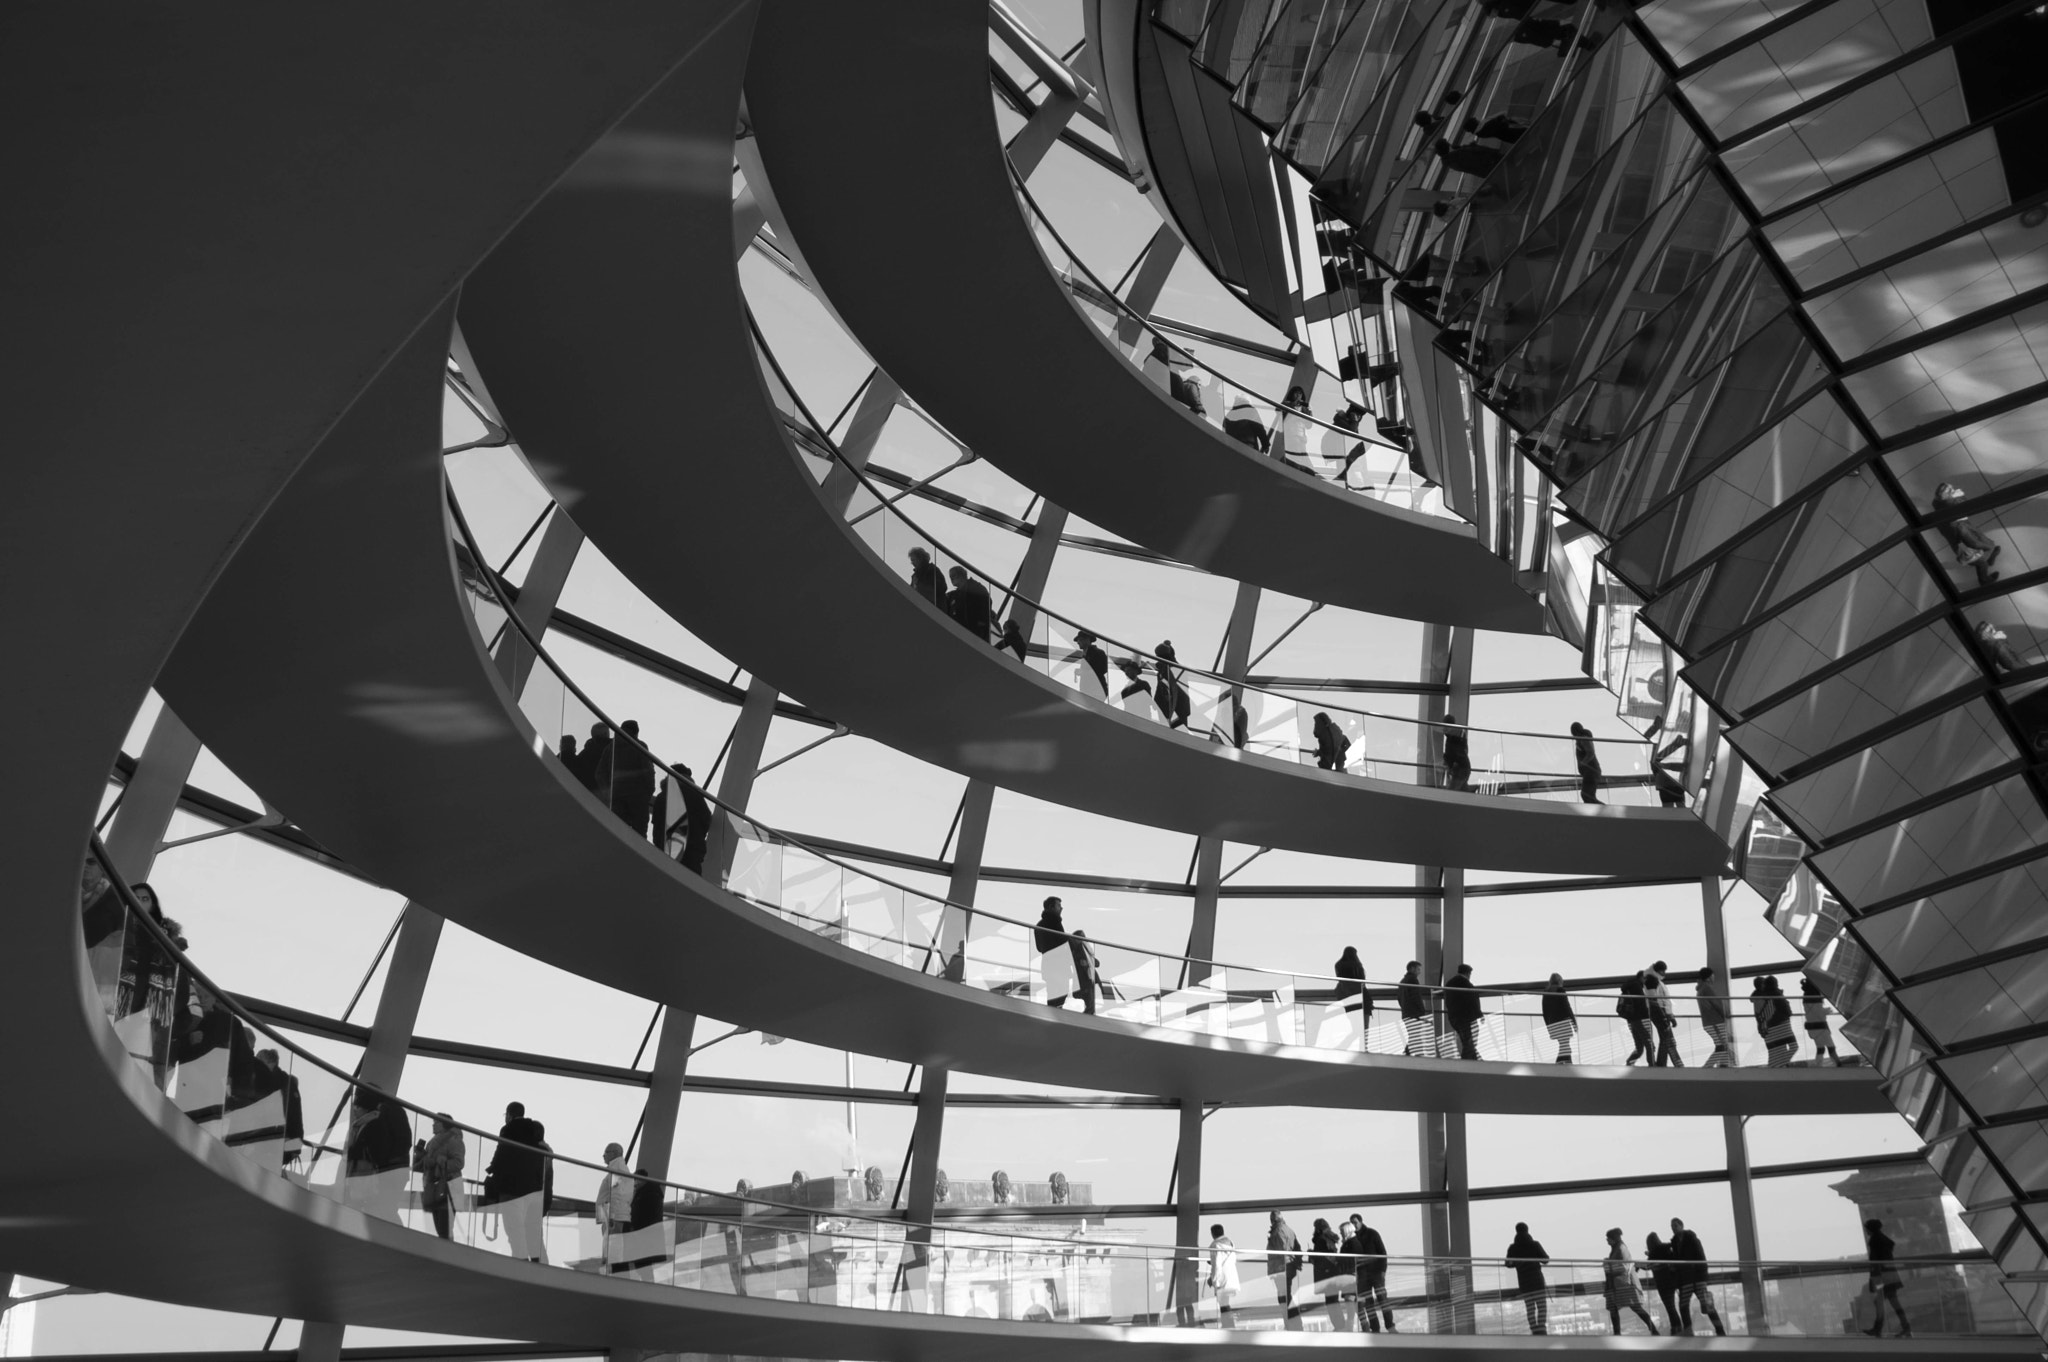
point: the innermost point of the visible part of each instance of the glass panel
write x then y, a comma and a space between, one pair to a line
1943, 378
1785, 69
1994, 913
1982, 268
1948, 840
1945, 751
1996, 1081
1823, 628
1861, 130
1989, 543
1691, 29
1978, 458
1955, 183
1914, 671
1365, 56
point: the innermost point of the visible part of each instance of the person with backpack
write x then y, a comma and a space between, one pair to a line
1633, 1008
1332, 747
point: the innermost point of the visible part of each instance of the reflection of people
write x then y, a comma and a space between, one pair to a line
379, 1146
1972, 547
1096, 663
2003, 658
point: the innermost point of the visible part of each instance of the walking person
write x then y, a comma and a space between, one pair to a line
378, 1153
926, 579
1714, 1017
1634, 1009
1243, 423
1658, 1000
1369, 1261
1664, 1276
1773, 1021
596, 758
1350, 972
1055, 954
1692, 1277
1283, 1262
1589, 764
613, 1205
1095, 663
1136, 696
1463, 1012
1294, 431
1815, 1004
970, 604
1558, 1018
697, 819
1169, 693
1527, 1257
517, 1181
1223, 1278
1328, 1267
1332, 747
439, 1163
632, 779
1413, 996
1620, 1289
1087, 970
1457, 753
1884, 1279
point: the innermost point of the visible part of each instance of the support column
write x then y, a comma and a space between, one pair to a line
1440, 946
1237, 652
1202, 927
151, 796
736, 782
1187, 1212
398, 1006
538, 595
1041, 130
1036, 569
665, 1091
858, 444
1742, 1200
319, 1341
1154, 266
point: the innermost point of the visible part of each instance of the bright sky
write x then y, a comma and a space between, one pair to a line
257, 917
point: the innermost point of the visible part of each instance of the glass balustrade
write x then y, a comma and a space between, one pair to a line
318, 1127
858, 910
1324, 434
1250, 718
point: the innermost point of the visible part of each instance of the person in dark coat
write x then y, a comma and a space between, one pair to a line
632, 778
1328, 1265
645, 1213
1350, 971
1589, 764
594, 763
1168, 693
970, 605
697, 819
517, 1181
1972, 547
379, 1152
1884, 1279
274, 1081
1558, 1018
1527, 1257
1462, 1011
1692, 1277
1413, 996
1369, 1262
1056, 955
1087, 970
1332, 747
1664, 1271
1457, 745
1013, 639
1094, 658
1283, 1259
926, 579
1634, 1009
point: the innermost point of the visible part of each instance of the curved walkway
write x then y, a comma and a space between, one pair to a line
900, 196
379, 724
643, 400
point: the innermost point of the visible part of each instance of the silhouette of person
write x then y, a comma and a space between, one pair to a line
1056, 956
1884, 1279
1170, 695
1095, 660
1332, 746
969, 604
1558, 1018
1972, 547
1413, 996
1462, 1011
1589, 763
926, 579
632, 779
1527, 1257
697, 819
596, 769
1457, 751
1350, 972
